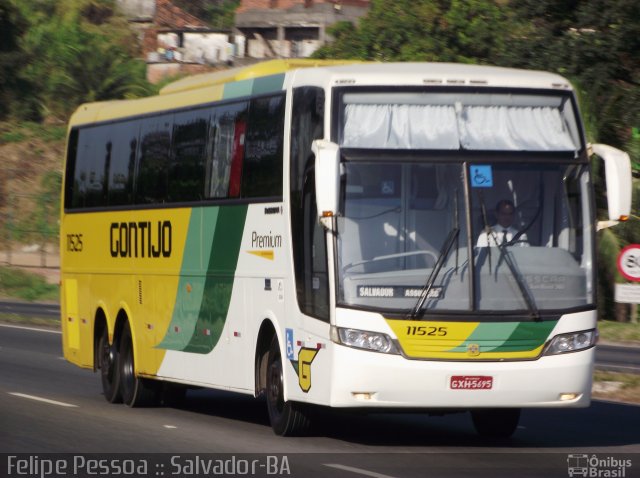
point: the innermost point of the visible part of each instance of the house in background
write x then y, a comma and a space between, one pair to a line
175, 42
292, 28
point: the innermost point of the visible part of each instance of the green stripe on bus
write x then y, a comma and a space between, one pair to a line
527, 336
225, 249
268, 84
489, 334
202, 225
237, 89
508, 336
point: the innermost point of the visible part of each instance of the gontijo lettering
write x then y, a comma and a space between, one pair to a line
140, 239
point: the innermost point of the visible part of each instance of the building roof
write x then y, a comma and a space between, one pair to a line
170, 16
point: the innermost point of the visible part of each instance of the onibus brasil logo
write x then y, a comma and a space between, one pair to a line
594, 466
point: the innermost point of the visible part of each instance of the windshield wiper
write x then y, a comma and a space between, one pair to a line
520, 280
444, 253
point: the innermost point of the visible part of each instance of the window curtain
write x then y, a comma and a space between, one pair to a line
402, 126
391, 126
514, 129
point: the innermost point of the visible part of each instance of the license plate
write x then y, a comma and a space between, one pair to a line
471, 382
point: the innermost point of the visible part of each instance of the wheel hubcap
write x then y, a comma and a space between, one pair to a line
108, 360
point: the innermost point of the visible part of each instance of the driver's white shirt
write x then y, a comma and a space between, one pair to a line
499, 235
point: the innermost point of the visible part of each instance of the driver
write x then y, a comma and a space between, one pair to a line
503, 231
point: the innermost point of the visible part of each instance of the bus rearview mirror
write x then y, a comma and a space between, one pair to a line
327, 175
617, 167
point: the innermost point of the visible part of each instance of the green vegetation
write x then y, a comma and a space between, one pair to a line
22, 320
619, 332
12, 132
626, 386
217, 13
57, 54
27, 286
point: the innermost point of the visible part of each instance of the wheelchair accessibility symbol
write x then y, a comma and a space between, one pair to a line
481, 176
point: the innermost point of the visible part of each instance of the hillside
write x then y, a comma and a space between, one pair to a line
32, 157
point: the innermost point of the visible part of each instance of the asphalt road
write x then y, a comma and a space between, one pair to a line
50, 406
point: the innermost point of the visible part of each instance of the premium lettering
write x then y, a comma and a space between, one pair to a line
140, 239
265, 241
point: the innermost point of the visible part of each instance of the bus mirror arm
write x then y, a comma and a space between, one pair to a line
618, 182
327, 177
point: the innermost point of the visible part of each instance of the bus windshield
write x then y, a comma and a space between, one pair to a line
397, 216
503, 170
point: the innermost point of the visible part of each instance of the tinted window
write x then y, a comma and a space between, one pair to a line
186, 178
93, 156
155, 142
124, 143
262, 170
224, 162
69, 184
308, 238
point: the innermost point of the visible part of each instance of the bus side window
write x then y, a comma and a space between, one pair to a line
92, 154
262, 168
226, 151
307, 236
186, 179
124, 138
153, 178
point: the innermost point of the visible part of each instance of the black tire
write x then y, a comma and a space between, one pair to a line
136, 391
287, 418
496, 422
109, 368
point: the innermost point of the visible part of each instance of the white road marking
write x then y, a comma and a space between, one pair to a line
45, 400
49, 331
170, 427
360, 471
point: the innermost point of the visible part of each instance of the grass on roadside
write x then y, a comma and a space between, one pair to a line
627, 386
27, 286
619, 331
48, 322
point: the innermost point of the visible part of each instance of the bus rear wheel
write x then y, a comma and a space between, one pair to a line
108, 365
287, 418
136, 391
496, 422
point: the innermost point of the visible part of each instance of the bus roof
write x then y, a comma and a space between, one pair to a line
257, 70
209, 87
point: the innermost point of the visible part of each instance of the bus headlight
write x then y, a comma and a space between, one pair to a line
364, 339
572, 342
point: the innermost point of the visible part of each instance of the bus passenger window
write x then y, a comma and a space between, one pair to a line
262, 169
226, 152
124, 137
186, 179
155, 141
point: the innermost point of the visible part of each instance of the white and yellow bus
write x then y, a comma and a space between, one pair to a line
308, 232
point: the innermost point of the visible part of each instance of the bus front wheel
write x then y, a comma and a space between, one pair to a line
108, 365
136, 391
496, 422
287, 418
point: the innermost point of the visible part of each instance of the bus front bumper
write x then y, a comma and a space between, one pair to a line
376, 380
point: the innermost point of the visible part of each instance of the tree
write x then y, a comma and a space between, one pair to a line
83, 52
423, 30
217, 13
12, 87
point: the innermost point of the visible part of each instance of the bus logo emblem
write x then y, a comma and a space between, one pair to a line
473, 350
